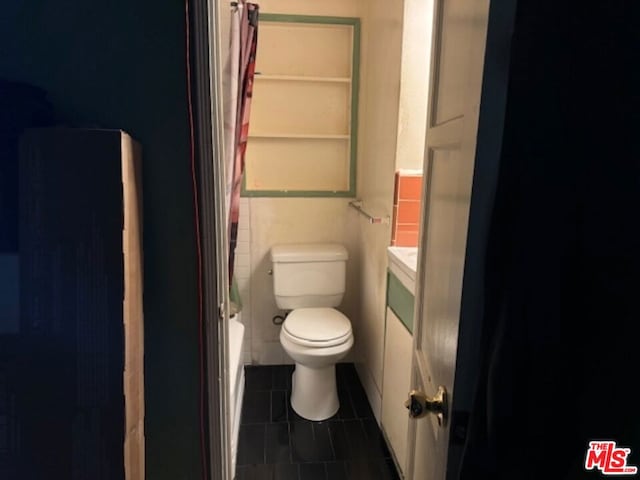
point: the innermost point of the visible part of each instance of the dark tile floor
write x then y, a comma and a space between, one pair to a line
277, 444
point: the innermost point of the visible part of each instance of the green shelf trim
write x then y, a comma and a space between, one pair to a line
323, 19
355, 82
296, 193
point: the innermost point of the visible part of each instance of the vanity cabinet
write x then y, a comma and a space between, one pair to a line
397, 365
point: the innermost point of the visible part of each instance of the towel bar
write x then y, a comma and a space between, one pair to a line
357, 204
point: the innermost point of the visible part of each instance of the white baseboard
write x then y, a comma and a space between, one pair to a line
373, 394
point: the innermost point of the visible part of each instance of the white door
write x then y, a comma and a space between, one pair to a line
459, 38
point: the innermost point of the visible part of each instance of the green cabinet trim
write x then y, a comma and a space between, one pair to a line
400, 300
355, 91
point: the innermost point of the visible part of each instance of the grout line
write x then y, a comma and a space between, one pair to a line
336, 423
290, 445
264, 443
333, 449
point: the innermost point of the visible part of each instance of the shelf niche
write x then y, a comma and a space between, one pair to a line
302, 132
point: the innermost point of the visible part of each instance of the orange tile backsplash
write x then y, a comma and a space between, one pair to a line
409, 211
406, 209
410, 187
406, 239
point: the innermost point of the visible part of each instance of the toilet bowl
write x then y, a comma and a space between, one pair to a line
316, 339
309, 281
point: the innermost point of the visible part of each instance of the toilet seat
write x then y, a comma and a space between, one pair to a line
317, 327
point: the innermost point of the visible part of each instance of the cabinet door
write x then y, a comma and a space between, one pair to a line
397, 373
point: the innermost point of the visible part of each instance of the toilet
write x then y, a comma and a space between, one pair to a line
309, 281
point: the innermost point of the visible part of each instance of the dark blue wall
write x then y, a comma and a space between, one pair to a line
563, 259
121, 64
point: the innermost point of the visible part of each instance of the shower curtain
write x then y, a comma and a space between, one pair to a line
241, 65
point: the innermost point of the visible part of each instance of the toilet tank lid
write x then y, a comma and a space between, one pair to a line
309, 252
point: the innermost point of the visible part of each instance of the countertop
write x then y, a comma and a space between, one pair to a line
403, 263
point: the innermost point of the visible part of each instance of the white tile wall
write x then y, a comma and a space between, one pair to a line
242, 274
265, 222
272, 353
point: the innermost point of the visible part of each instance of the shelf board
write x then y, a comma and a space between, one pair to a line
302, 78
299, 136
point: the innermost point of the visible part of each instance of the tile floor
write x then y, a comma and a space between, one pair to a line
277, 444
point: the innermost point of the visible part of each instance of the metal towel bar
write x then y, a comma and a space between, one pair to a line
357, 204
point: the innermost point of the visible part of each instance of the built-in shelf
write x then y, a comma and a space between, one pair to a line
302, 136
304, 108
302, 78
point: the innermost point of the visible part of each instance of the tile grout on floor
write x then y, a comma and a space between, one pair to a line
310, 448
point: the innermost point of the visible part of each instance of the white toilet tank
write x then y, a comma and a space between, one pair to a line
308, 275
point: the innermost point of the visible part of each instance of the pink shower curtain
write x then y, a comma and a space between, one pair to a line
244, 31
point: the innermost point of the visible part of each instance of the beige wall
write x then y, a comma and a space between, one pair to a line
379, 97
338, 8
286, 220
267, 221
390, 135
412, 116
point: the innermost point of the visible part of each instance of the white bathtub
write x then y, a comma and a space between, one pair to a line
236, 382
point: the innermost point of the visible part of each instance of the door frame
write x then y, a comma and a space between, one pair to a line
205, 68
493, 105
